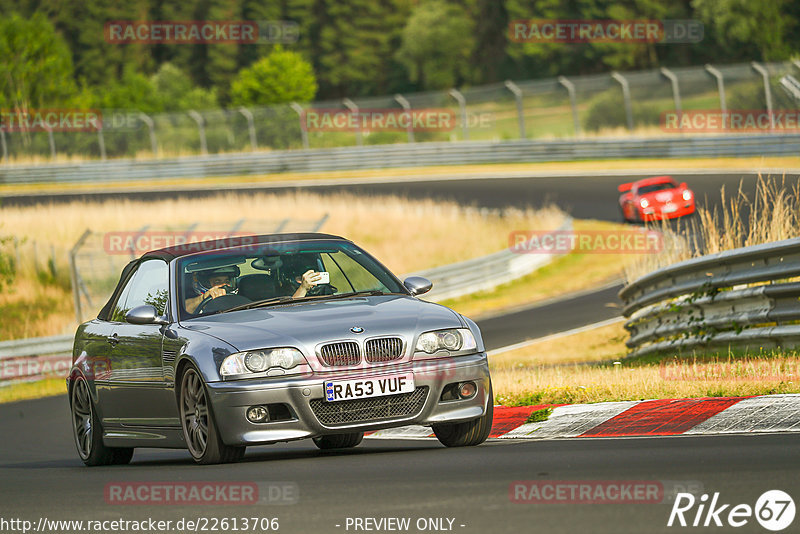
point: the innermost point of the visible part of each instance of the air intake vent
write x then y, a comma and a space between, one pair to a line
341, 353
384, 349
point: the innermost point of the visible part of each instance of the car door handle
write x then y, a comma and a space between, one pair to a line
113, 339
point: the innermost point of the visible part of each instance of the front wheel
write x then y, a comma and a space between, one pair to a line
339, 441
88, 432
470, 433
199, 428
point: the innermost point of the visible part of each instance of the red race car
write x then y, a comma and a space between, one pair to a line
656, 198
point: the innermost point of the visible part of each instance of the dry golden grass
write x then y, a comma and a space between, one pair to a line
772, 214
32, 309
573, 272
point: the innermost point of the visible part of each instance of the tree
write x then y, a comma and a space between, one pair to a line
36, 70
176, 91
491, 30
282, 76
437, 43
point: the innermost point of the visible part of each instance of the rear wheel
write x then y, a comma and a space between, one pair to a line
470, 433
199, 428
88, 432
339, 441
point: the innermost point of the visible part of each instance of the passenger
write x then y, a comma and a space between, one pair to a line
210, 284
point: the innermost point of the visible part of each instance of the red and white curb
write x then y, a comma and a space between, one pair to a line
662, 417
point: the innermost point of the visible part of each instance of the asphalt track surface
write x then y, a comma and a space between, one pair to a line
41, 476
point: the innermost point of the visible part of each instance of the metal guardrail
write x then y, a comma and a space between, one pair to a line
402, 155
35, 358
742, 298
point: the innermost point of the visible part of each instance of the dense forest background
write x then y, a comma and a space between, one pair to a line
54, 52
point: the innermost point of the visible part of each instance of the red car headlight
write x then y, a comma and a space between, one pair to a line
687, 195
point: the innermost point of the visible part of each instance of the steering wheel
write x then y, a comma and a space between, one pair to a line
221, 303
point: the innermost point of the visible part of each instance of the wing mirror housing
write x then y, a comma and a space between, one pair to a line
417, 285
144, 314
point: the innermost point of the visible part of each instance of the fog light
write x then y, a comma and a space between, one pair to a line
467, 390
257, 414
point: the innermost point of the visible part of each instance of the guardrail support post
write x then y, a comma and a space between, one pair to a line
349, 104
676, 91
200, 129
626, 95
720, 87
301, 115
517, 92
767, 92
400, 99
251, 127
75, 277
462, 105
152, 127
573, 102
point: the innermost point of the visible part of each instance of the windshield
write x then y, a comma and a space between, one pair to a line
652, 188
220, 281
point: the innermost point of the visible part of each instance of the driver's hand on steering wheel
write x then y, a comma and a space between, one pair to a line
216, 291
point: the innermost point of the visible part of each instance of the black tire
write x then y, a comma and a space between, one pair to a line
470, 433
339, 441
197, 421
88, 431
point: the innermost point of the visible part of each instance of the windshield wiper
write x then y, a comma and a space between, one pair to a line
286, 300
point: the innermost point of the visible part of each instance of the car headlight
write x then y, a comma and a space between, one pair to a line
451, 340
644, 203
687, 195
259, 361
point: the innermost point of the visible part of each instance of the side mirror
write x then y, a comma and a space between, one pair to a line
417, 285
144, 314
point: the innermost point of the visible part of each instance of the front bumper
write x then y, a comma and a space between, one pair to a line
656, 213
230, 400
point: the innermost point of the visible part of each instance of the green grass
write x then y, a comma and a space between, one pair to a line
32, 390
537, 416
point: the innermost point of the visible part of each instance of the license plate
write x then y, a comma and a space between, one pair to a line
670, 208
362, 388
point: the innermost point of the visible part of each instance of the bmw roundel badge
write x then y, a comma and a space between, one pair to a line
356, 330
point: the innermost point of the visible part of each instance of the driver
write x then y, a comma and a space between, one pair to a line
210, 284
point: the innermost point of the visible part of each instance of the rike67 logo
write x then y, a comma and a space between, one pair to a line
774, 510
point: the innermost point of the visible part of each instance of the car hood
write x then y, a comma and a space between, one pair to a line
306, 324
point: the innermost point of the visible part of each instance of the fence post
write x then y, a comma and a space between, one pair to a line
251, 127
320, 223
101, 143
349, 104
573, 102
74, 276
791, 85
52, 142
720, 87
152, 127
462, 105
407, 107
517, 92
626, 95
301, 115
5, 147
676, 91
767, 92
201, 129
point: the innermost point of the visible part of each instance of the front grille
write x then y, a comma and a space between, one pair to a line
341, 353
384, 349
367, 410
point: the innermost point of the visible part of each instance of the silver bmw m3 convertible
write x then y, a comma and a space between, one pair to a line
254, 340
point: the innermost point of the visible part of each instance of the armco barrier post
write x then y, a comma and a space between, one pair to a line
517, 92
